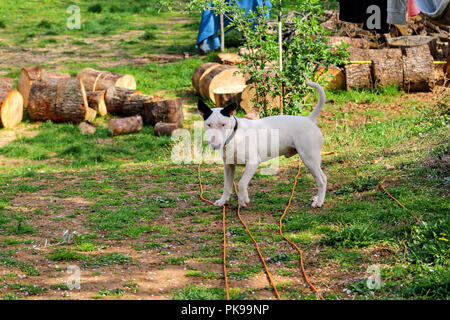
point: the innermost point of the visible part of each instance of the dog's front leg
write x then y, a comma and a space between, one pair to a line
228, 184
250, 170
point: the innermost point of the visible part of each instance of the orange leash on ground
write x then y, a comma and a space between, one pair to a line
257, 249
292, 243
398, 202
225, 276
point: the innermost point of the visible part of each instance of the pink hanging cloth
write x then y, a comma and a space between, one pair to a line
412, 8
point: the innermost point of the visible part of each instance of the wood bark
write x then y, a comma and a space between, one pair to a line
418, 69
225, 95
96, 101
95, 80
200, 72
169, 111
387, 67
125, 125
220, 76
165, 129
31, 74
11, 107
58, 100
125, 102
358, 75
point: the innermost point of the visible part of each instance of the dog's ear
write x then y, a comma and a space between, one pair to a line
229, 109
204, 110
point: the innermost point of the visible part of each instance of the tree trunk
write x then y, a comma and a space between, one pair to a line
221, 76
419, 69
200, 72
169, 111
387, 67
164, 129
96, 101
31, 74
95, 80
125, 102
58, 100
358, 75
125, 125
224, 95
11, 107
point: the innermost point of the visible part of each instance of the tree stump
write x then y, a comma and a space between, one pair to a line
358, 75
334, 77
11, 106
96, 101
248, 99
58, 100
230, 58
220, 76
232, 94
125, 102
31, 74
95, 80
418, 69
165, 129
169, 111
125, 125
6, 83
387, 67
200, 72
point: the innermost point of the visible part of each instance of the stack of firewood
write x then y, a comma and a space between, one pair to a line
58, 97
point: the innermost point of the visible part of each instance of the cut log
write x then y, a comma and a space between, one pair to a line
125, 102
358, 75
387, 67
220, 76
248, 100
11, 107
169, 111
224, 95
164, 129
125, 125
447, 67
95, 80
31, 74
334, 77
418, 69
6, 83
200, 72
58, 100
96, 101
230, 58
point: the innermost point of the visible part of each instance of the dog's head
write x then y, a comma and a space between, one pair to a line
219, 123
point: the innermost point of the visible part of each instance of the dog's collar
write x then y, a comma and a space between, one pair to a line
233, 133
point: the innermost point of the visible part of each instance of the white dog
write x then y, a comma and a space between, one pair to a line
295, 134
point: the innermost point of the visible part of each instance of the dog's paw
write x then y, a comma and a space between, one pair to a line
243, 200
221, 202
315, 202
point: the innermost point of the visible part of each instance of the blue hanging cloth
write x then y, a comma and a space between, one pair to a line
208, 38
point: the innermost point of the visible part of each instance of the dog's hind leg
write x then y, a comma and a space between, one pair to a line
312, 160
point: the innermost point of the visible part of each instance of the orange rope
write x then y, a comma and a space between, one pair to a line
292, 243
257, 249
398, 202
224, 234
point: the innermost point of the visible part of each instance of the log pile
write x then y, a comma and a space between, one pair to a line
59, 98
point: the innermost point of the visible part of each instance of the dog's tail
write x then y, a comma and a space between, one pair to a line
320, 103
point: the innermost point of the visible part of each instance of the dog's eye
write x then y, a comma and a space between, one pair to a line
223, 124
209, 125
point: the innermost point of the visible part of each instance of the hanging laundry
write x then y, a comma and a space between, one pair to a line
396, 11
412, 9
375, 16
372, 13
